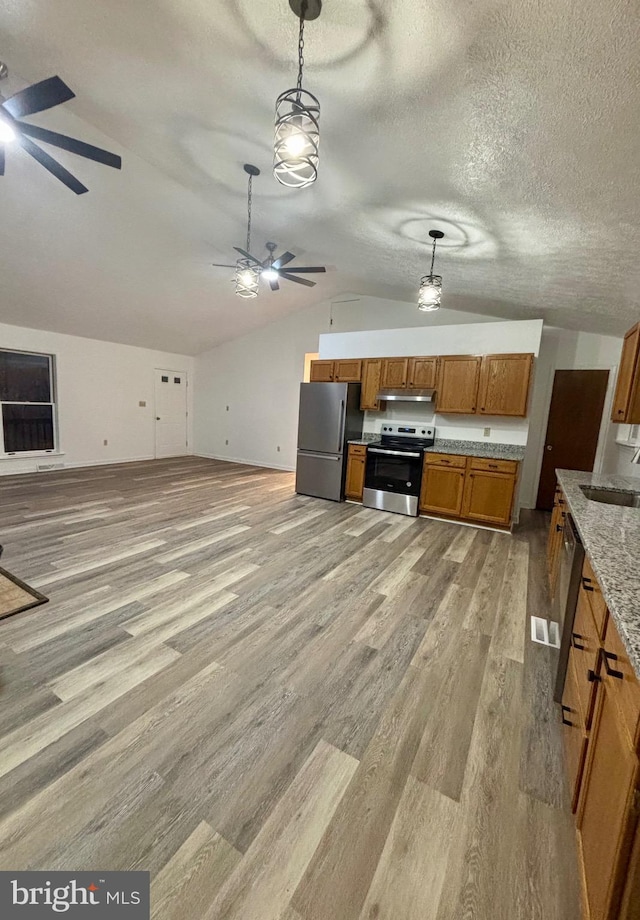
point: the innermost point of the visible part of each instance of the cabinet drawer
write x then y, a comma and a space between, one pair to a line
357, 449
596, 600
493, 466
625, 689
445, 460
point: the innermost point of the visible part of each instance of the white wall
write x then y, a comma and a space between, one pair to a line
247, 391
352, 312
99, 386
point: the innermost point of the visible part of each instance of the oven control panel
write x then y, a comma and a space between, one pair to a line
408, 431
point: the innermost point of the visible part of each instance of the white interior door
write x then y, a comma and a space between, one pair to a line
171, 413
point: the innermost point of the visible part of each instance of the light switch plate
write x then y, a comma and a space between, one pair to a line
142, 403
487, 432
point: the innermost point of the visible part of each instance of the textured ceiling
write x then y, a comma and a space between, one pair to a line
512, 125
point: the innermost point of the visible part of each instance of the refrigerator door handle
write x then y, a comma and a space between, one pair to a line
311, 453
343, 419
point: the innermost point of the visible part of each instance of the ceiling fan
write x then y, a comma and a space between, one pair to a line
37, 98
250, 268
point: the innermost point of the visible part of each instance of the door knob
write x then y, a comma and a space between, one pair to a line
549, 447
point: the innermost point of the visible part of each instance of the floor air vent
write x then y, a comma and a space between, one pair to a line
545, 632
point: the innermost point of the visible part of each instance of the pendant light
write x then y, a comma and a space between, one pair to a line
297, 134
431, 285
247, 272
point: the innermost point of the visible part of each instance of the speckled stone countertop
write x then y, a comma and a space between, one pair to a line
611, 538
478, 449
462, 448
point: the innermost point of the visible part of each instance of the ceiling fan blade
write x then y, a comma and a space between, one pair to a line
274, 285
284, 258
307, 268
247, 255
37, 98
72, 145
55, 168
1, 159
222, 265
297, 280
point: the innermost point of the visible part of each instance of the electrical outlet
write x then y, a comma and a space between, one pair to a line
105, 442
487, 432
227, 408
278, 448
142, 403
227, 441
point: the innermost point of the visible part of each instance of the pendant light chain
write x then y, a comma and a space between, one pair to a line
249, 200
433, 256
303, 10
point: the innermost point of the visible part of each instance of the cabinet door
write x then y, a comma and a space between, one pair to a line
585, 650
371, 375
504, 384
321, 372
488, 497
607, 811
555, 539
354, 484
457, 387
347, 371
394, 373
422, 373
626, 402
574, 734
442, 490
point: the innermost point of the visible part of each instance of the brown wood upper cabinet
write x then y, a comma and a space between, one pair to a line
371, 376
626, 403
457, 386
346, 370
394, 373
321, 372
504, 384
422, 373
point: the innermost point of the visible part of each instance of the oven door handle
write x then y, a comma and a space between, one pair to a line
394, 453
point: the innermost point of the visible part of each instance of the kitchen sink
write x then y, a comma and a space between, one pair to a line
612, 496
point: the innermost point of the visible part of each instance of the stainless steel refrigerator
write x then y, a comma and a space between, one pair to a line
330, 415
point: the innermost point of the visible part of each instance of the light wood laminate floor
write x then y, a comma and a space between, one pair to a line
283, 708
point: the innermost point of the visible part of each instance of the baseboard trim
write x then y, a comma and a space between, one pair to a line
244, 462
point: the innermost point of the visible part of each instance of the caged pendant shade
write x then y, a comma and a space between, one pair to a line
297, 131
431, 285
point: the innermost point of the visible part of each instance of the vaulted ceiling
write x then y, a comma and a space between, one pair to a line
512, 125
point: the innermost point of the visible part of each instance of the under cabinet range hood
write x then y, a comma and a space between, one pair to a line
407, 395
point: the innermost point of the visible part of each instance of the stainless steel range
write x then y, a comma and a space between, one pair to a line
394, 468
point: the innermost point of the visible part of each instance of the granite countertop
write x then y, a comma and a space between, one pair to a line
482, 449
490, 451
611, 538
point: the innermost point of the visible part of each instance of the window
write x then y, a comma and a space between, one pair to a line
27, 402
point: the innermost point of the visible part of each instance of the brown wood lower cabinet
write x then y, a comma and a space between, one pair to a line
554, 541
488, 496
471, 488
442, 490
354, 483
601, 726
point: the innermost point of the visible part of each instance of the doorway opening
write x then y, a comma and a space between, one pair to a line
171, 413
575, 417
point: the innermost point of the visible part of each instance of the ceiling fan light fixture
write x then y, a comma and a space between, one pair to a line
270, 274
297, 127
247, 278
7, 134
430, 293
